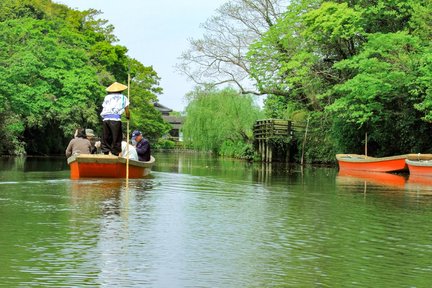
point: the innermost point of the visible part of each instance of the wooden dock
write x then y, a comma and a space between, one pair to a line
273, 139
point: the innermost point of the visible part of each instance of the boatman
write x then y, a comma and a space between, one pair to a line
114, 105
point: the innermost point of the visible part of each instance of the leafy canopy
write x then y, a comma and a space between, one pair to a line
216, 116
55, 63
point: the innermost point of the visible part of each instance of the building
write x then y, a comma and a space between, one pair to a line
175, 122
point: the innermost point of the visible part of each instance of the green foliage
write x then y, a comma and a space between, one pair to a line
54, 65
366, 64
11, 129
44, 76
278, 107
164, 143
386, 16
333, 28
384, 71
318, 142
274, 106
144, 90
217, 116
421, 87
421, 19
237, 149
380, 97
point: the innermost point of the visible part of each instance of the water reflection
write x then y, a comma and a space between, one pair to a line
27, 164
371, 178
420, 187
205, 222
93, 192
362, 181
119, 212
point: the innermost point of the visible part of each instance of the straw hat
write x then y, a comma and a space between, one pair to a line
116, 87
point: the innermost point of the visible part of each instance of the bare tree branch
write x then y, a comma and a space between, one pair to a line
219, 57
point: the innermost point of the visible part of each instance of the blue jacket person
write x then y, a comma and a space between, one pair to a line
142, 146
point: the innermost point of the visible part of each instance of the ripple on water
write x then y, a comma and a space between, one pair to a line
214, 230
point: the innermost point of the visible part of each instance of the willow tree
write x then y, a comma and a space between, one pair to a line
220, 120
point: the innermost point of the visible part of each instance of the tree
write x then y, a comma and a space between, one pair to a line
217, 117
380, 96
45, 78
294, 58
144, 91
219, 57
55, 63
365, 62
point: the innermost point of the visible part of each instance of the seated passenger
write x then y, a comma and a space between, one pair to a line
142, 146
79, 145
95, 148
132, 151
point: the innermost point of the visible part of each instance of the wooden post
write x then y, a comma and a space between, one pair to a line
267, 150
260, 147
288, 147
366, 140
270, 153
304, 141
265, 131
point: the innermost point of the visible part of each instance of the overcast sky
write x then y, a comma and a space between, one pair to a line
155, 33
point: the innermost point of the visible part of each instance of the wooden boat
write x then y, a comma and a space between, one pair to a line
106, 166
371, 164
419, 167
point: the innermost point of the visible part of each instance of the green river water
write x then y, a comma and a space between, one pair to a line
205, 222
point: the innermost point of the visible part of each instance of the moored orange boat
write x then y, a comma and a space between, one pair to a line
107, 166
419, 167
372, 164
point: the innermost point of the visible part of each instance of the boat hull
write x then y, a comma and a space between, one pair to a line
364, 163
107, 166
420, 167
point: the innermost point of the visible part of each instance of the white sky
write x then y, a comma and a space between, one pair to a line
156, 33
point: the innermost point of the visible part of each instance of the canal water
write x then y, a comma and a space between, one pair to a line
205, 222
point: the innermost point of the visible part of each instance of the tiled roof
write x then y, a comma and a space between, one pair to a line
162, 108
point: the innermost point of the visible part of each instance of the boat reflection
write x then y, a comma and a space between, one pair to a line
419, 184
97, 196
96, 189
374, 178
108, 196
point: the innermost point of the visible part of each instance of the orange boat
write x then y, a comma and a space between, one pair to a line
419, 167
107, 166
371, 164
